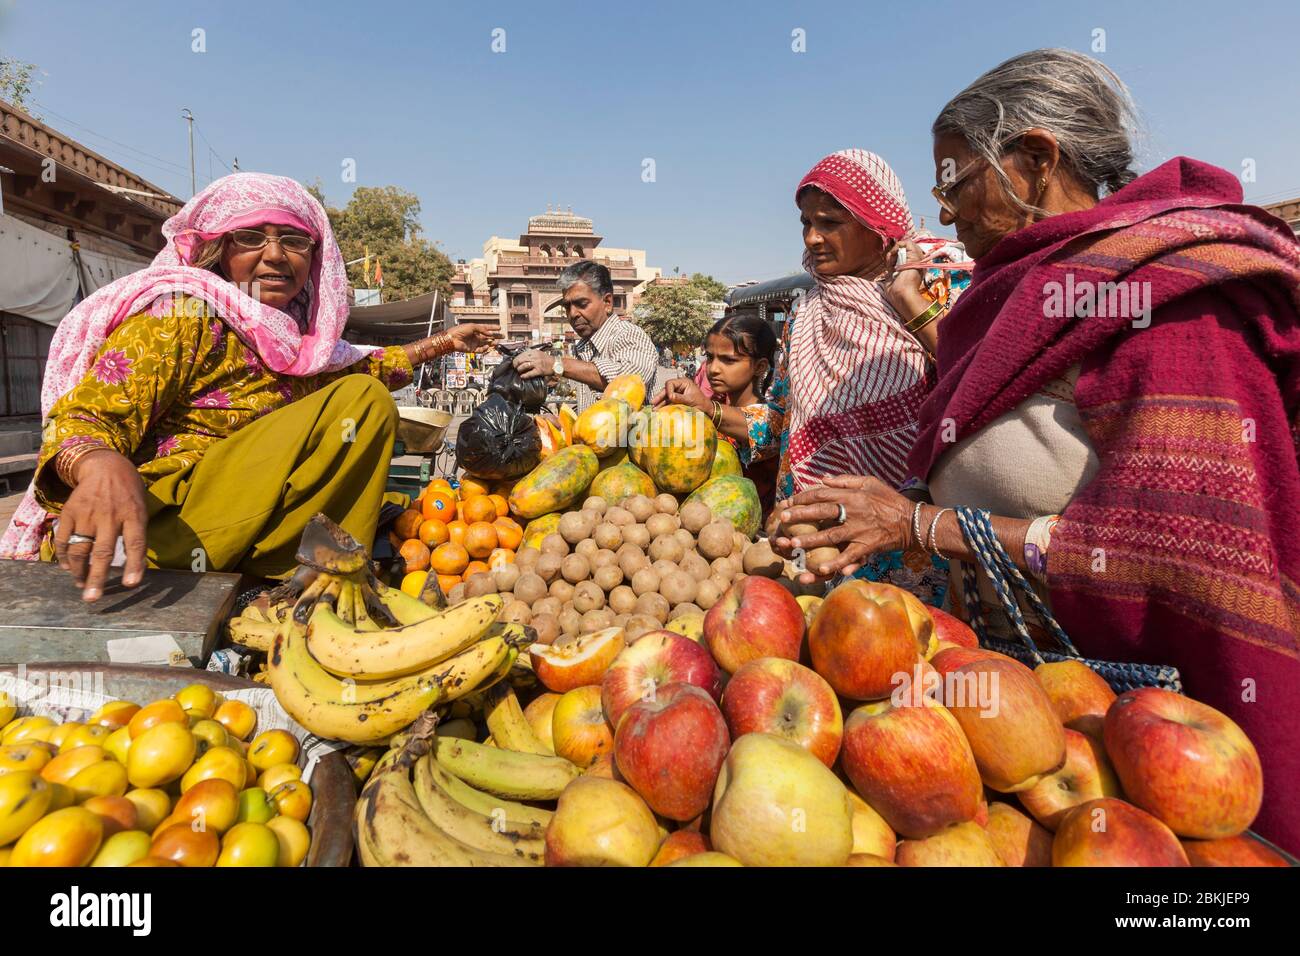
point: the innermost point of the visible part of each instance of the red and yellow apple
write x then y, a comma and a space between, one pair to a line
959, 844
670, 748
579, 730
680, 844
779, 696
1110, 832
1239, 850
952, 630
601, 822
653, 660
1185, 762
539, 714
1007, 717
871, 834
777, 805
1085, 775
757, 617
864, 635
912, 765
1080, 695
1019, 840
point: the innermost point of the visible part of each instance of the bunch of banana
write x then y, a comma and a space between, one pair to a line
421, 809
256, 624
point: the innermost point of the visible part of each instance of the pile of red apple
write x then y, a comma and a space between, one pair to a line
733, 750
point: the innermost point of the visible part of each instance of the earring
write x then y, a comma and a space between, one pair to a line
1042, 185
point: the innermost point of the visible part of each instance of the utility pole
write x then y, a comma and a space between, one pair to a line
189, 118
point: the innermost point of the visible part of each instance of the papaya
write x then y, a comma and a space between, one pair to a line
603, 426
726, 461
630, 388
539, 528
567, 418
676, 446
638, 433
734, 498
551, 437
622, 481
556, 483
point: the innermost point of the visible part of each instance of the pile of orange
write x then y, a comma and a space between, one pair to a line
456, 532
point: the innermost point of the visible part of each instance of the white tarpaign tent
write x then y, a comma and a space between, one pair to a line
42, 277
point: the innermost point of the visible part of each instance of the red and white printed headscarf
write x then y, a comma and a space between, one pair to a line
232, 202
856, 378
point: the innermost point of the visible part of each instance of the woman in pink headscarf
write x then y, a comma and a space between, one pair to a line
203, 409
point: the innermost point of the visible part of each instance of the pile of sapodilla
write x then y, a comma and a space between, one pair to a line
737, 741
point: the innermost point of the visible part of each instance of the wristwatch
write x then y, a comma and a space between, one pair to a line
558, 367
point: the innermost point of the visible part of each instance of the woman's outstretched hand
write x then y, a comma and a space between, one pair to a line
683, 391
471, 338
877, 518
107, 502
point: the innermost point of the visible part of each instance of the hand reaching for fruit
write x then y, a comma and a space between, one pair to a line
877, 518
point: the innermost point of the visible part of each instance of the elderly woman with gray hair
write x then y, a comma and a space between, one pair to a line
1116, 420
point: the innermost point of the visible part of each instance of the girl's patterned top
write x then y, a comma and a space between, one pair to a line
165, 387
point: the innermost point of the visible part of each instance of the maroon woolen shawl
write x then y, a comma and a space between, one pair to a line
1184, 549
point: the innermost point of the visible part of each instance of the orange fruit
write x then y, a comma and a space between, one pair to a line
433, 533
499, 558
407, 525
481, 538
471, 487
475, 567
442, 483
415, 554
449, 558
448, 581
503, 506
439, 504
481, 508
413, 583
509, 533
456, 530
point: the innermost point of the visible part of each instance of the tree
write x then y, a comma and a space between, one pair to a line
386, 220
16, 82
674, 315
709, 288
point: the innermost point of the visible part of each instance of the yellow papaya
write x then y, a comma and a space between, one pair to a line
725, 461
556, 483
630, 388
622, 481
539, 528
603, 426
675, 446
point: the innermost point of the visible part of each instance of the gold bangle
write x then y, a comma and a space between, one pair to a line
925, 318
65, 461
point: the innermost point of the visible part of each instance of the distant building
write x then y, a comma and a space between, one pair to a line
71, 221
1288, 211
512, 286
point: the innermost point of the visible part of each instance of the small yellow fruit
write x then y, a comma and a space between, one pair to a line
22, 757
294, 837
213, 803
160, 754
271, 747
67, 837
24, 798
118, 744
26, 729
107, 778
220, 762
61, 796
249, 844
197, 699
237, 717
67, 765
123, 849
152, 807
114, 714
255, 806
272, 777
293, 799
212, 732
117, 813
159, 712
60, 733
413, 583
83, 734
8, 707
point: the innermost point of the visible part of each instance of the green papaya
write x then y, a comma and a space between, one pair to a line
622, 481
734, 498
675, 446
725, 461
556, 483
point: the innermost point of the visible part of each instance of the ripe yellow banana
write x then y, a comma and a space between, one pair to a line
506, 721
406, 609
377, 655
392, 830
505, 773
366, 712
252, 633
519, 814
491, 832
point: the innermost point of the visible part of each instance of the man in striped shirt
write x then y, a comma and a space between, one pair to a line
609, 346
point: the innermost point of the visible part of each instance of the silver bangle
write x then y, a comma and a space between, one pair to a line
917, 540
929, 538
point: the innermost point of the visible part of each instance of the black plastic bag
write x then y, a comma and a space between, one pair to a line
530, 393
499, 440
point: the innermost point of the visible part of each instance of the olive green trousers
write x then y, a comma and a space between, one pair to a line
244, 505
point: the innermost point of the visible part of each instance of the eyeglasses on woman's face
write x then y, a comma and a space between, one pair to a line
251, 239
947, 193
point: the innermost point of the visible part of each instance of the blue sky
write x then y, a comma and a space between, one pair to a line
582, 94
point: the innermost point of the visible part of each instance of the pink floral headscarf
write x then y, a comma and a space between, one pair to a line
232, 202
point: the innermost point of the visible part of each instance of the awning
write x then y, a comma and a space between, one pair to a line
405, 320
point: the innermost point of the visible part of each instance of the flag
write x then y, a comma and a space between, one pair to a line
379, 273
365, 266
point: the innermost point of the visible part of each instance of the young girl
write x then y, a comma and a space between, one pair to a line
739, 358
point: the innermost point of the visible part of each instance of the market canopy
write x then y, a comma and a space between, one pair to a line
402, 321
770, 291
